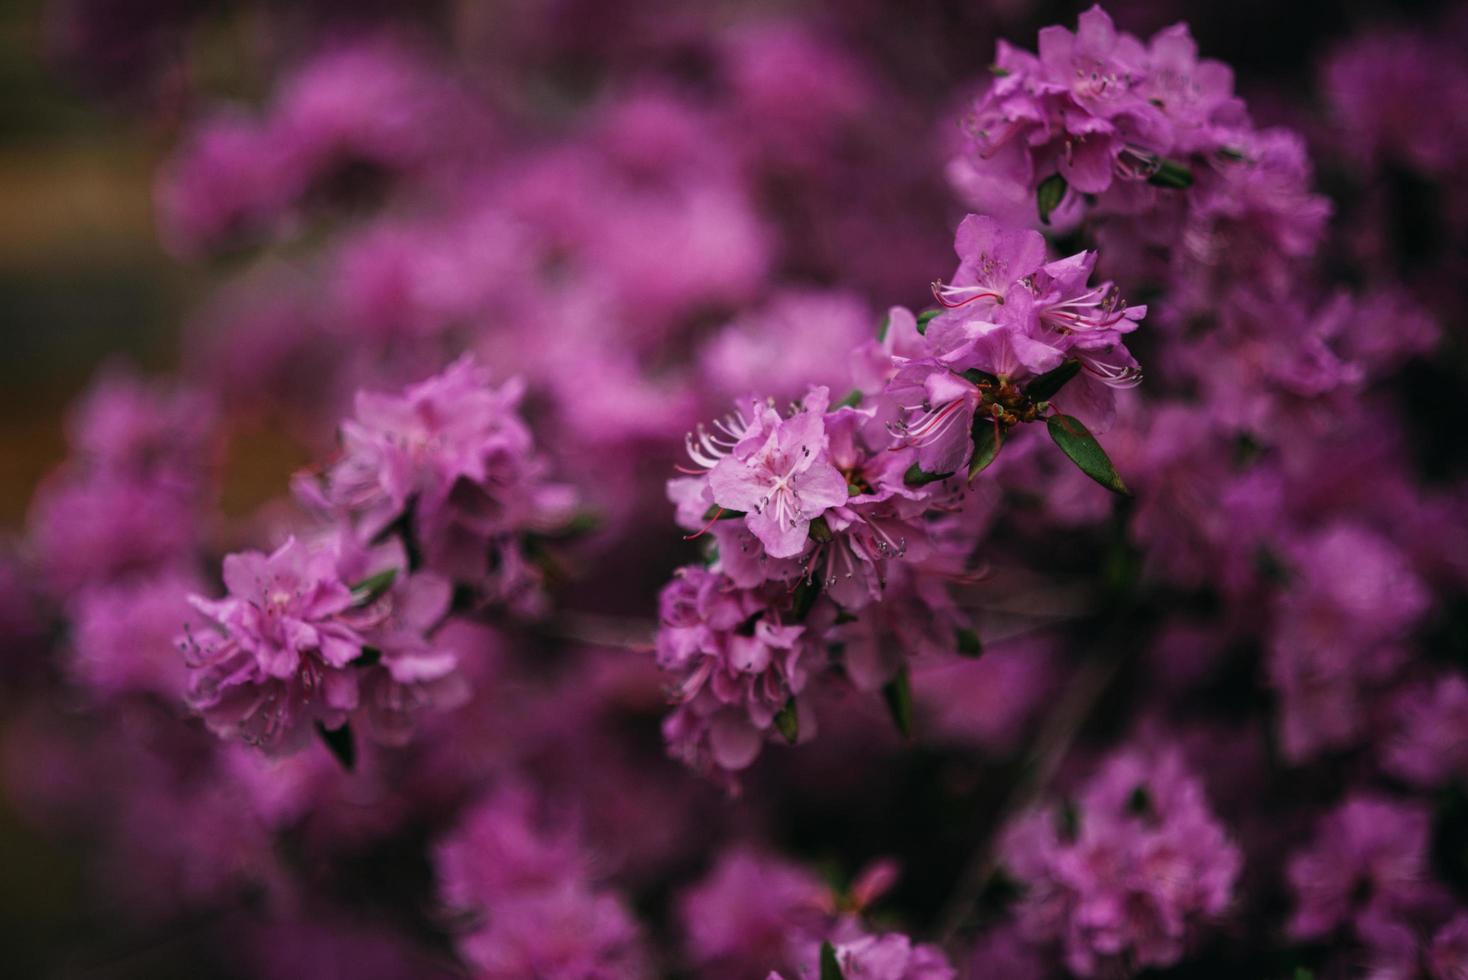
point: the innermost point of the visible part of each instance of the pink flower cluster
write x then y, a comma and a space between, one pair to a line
1126, 677
823, 520
525, 891
430, 503
1127, 872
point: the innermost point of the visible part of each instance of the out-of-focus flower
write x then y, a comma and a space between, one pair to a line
1447, 958
1131, 872
1431, 745
1338, 633
534, 909
1368, 864
742, 915
452, 458
125, 635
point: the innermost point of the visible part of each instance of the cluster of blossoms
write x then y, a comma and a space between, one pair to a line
523, 887
1127, 873
1099, 125
430, 504
358, 112
590, 226
836, 528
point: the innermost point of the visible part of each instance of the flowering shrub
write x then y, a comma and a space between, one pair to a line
697, 575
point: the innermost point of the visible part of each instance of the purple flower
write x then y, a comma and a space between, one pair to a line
1077, 109
125, 425
742, 915
798, 339
1196, 95
523, 884
940, 407
992, 258
1368, 863
228, 181
735, 662
1447, 957
1376, 84
1337, 633
289, 644
780, 476
454, 451
1012, 316
91, 529
1431, 745
124, 635
1144, 866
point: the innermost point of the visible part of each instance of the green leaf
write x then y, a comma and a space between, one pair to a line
969, 644
1076, 441
998, 72
820, 530
717, 513
886, 326
1044, 387
830, 968
898, 693
340, 743
372, 587
787, 722
926, 317
1049, 195
916, 476
1170, 173
851, 400
988, 440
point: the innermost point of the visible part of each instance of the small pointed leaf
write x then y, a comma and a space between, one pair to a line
1170, 173
1046, 385
916, 476
926, 317
830, 968
1049, 195
988, 440
1076, 441
851, 400
717, 513
373, 586
340, 743
898, 693
788, 722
